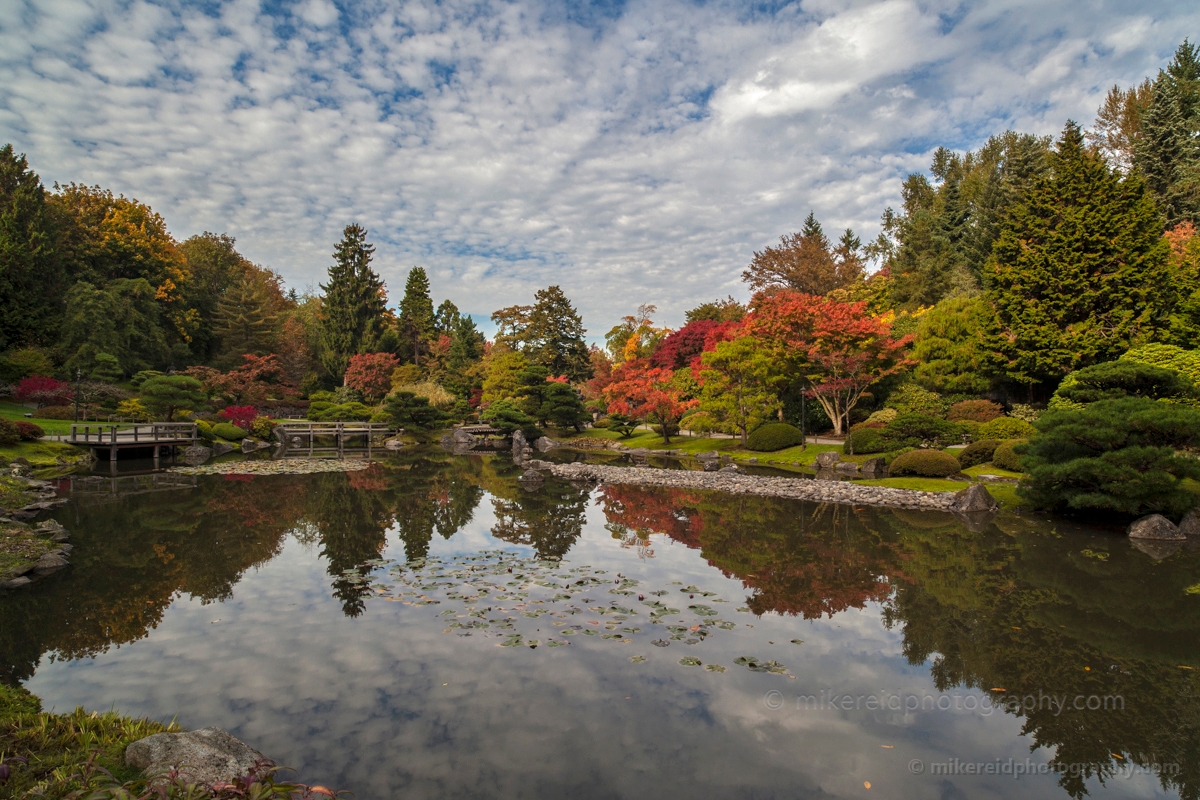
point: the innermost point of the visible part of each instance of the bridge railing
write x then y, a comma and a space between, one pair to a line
154, 433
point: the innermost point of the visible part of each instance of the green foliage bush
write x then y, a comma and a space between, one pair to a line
506, 417
974, 411
144, 375
1005, 428
865, 441
601, 423
912, 399
1115, 379
924, 464
228, 431
773, 436
340, 412
205, 430
405, 410
57, 412
892, 455
883, 416
9, 433
1167, 356
321, 397
920, 430
1126, 455
978, 453
262, 427
1005, 456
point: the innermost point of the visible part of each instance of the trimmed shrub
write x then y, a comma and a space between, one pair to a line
883, 416
9, 433
205, 430
1006, 428
28, 431
912, 399
1113, 380
1005, 458
1024, 412
975, 411
924, 464
57, 412
321, 397
978, 453
228, 432
858, 426
920, 430
262, 427
892, 455
865, 441
773, 436
601, 423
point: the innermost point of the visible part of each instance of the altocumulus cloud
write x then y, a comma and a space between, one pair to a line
630, 151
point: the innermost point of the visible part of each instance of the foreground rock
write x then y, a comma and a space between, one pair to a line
209, 755
1156, 527
736, 483
1190, 524
974, 499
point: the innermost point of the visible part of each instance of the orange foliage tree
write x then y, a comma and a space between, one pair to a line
371, 374
641, 391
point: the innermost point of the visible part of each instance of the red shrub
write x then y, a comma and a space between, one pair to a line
43, 390
975, 411
28, 431
371, 374
242, 416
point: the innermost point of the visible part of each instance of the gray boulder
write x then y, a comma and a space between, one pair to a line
50, 562
708, 455
1158, 549
197, 454
15, 583
252, 445
209, 755
846, 468
1157, 527
731, 469
710, 465
395, 444
827, 459
462, 437
545, 444
974, 498
874, 468
221, 448
1190, 524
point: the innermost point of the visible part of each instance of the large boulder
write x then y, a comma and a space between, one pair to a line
1190, 524
545, 444
197, 454
50, 562
846, 468
209, 755
874, 468
974, 498
221, 448
826, 459
463, 437
1157, 527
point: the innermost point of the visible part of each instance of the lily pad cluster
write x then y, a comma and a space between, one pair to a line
528, 602
284, 466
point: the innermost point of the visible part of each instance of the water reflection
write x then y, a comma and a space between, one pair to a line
1019, 609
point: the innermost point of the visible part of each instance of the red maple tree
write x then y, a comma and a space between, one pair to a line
641, 391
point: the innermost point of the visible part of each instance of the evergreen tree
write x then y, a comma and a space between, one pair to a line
244, 321
121, 320
354, 303
1167, 152
31, 283
807, 262
554, 338
417, 320
1077, 273
445, 319
214, 265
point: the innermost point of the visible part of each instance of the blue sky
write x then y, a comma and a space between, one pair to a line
632, 152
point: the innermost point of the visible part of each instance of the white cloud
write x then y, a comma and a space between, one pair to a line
640, 157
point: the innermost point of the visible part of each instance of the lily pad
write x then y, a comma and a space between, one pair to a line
690, 661
637, 659
713, 668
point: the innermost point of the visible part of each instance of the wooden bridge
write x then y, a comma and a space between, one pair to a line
302, 437
124, 485
115, 438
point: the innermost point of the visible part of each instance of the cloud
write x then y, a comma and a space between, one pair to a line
634, 152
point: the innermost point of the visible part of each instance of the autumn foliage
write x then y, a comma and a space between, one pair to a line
43, 390
641, 391
371, 374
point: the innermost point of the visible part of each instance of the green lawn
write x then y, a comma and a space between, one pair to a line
991, 469
730, 447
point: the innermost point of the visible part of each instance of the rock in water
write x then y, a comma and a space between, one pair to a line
1190, 525
196, 454
463, 437
221, 448
1155, 526
209, 755
544, 444
827, 459
974, 498
846, 468
396, 444
50, 562
874, 468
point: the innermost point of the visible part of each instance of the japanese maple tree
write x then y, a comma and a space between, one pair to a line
371, 374
642, 391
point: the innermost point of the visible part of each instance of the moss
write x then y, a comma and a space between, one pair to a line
42, 453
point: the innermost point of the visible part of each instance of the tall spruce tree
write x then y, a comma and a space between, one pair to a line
354, 302
1076, 275
554, 338
32, 287
1167, 152
417, 321
244, 321
445, 319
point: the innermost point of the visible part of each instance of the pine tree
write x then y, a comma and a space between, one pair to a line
31, 286
1077, 272
445, 319
554, 338
244, 321
1167, 152
354, 302
417, 321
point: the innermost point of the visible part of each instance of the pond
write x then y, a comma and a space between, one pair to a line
427, 628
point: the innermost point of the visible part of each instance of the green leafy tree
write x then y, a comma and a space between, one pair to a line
32, 284
949, 348
1113, 380
549, 400
405, 410
214, 266
167, 394
738, 382
417, 323
1077, 271
354, 303
502, 380
121, 320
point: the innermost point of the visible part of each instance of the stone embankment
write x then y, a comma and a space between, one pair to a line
973, 499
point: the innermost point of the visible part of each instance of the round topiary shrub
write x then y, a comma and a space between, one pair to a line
28, 431
228, 432
975, 411
912, 399
205, 430
1006, 428
1005, 458
924, 464
977, 453
866, 440
773, 436
921, 430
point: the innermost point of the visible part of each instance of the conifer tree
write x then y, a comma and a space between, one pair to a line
417, 321
31, 286
1077, 273
1167, 152
445, 319
245, 321
354, 303
554, 338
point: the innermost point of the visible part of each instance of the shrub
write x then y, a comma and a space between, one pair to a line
892, 455
10, 434
170, 393
773, 436
133, 409
600, 423
262, 427
321, 397
1168, 356
242, 416
883, 416
144, 375
974, 411
28, 431
1005, 458
700, 422
978, 453
437, 396
1024, 412
1126, 455
912, 399
865, 441
57, 412
407, 410
506, 417
1116, 379
228, 432
341, 412
204, 430
1006, 428
920, 430
925, 464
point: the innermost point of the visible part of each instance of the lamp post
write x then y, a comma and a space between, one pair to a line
78, 386
803, 420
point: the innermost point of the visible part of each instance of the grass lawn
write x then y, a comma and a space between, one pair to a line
991, 469
15, 411
730, 447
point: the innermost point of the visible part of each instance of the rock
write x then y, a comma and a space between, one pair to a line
22, 461
463, 437
518, 442
49, 563
846, 468
221, 448
874, 468
707, 455
393, 444
973, 499
1158, 549
49, 526
197, 454
15, 583
545, 444
751, 460
827, 459
731, 469
209, 755
531, 480
828, 475
710, 465
1157, 527
252, 445
1190, 524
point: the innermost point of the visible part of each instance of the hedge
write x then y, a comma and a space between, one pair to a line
924, 464
1005, 458
228, 431
978, 453
28, 431
921, 430
865, 441
1006, 428
773, 436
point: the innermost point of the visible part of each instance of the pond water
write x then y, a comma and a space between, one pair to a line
427, 628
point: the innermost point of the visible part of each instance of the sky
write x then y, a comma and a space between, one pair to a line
630, 152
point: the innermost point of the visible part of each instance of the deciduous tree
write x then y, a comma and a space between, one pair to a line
738, 380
